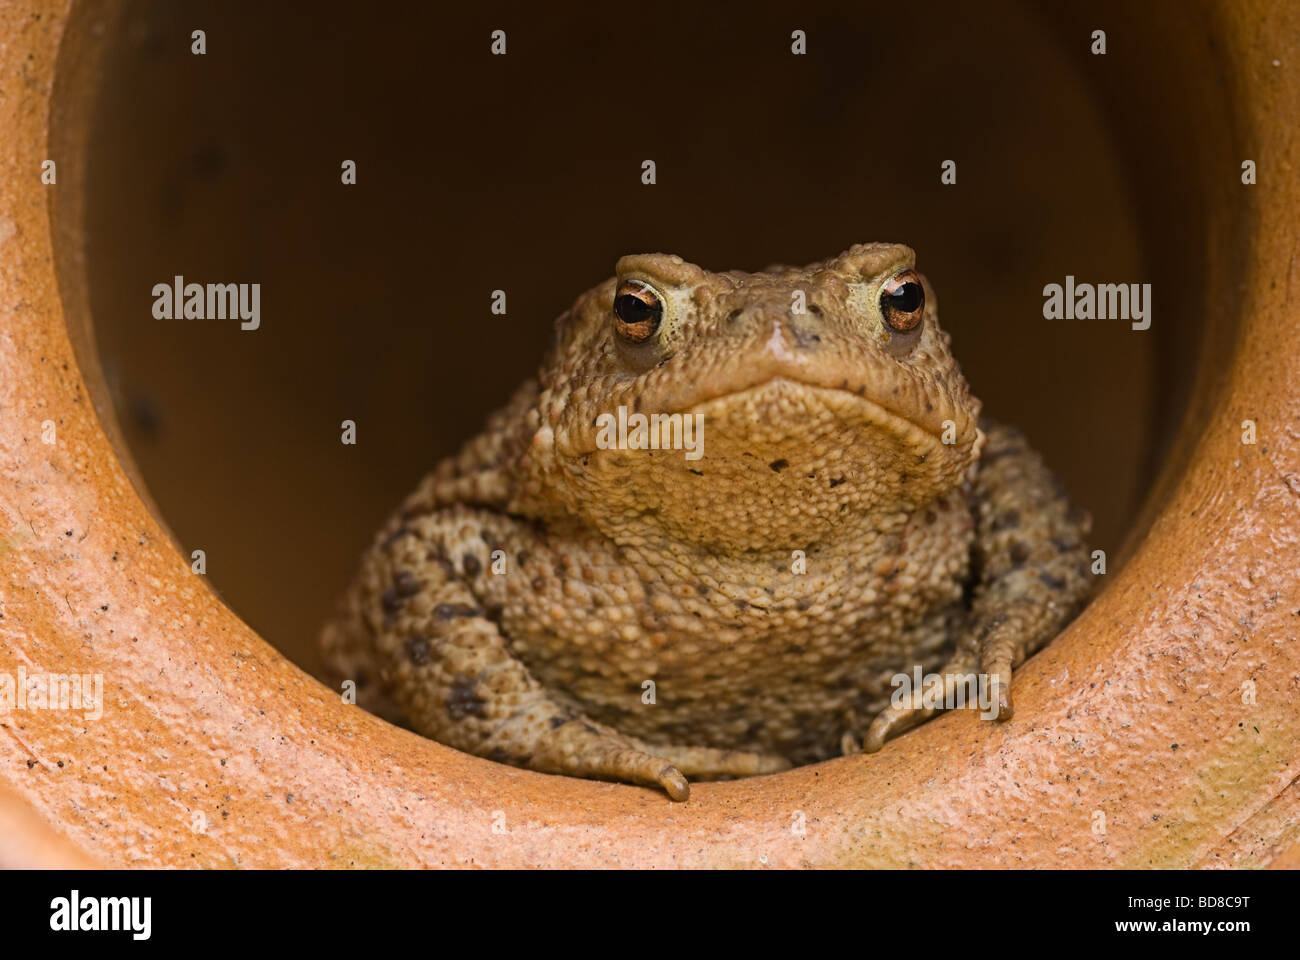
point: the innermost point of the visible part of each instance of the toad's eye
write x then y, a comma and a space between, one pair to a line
638, 311
902, 301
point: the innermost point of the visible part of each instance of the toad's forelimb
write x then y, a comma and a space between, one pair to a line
1030, 568
445, 666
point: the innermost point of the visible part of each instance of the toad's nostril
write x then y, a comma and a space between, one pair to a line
803, 327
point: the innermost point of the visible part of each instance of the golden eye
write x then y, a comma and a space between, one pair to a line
902, 301
638, 311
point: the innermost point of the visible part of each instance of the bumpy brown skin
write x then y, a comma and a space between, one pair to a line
848, 519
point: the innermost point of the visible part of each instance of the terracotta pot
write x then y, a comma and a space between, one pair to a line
1161, 729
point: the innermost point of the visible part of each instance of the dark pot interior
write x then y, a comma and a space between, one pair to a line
522, 173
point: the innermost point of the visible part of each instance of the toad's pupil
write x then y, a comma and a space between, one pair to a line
631, 309
906, 298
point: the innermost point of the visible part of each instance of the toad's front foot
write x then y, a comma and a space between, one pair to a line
916, 709
580, 748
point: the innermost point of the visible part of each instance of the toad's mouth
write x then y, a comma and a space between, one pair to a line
844, 397
927, 401
780, 405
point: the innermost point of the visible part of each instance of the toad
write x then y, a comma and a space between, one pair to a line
564, 595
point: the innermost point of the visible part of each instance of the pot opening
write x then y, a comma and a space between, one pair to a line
523, 173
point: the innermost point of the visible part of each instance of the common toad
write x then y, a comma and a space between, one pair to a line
826, 512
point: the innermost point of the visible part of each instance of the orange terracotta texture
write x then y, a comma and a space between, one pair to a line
1160, 730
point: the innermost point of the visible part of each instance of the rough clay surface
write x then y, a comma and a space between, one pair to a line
849, 517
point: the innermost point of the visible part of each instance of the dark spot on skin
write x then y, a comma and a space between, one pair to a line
698, 473
1006, 520
434, 556
559, 570
405, 584
417, 649
930, 518
391, 603
701, 589
494, 612
779, 465
803, 604
1062, 545
497, 755
450, 611
470, 564
557, 722
993, 623
1019, 553
463, 700
522, 557
1051, 580
588, 728
538, 584
803, 339
742, 604
836, 482
636, 404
